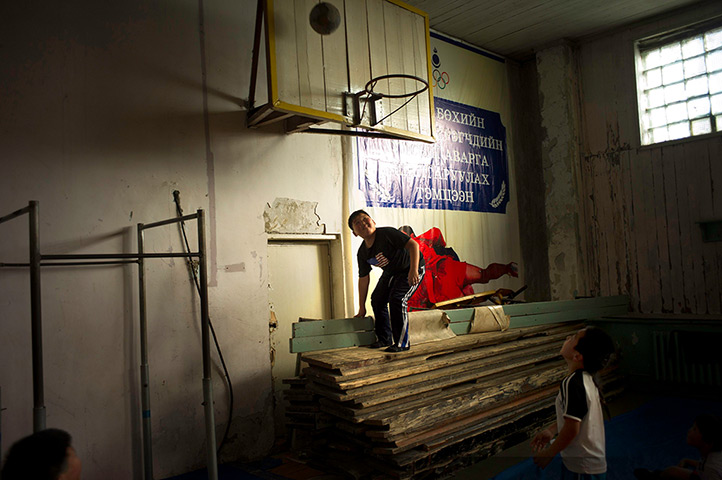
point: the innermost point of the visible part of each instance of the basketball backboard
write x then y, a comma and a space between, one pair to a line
316, 79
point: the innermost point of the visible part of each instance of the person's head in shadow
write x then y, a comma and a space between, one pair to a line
44, 455
706, 434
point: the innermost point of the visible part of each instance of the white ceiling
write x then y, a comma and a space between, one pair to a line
514, 28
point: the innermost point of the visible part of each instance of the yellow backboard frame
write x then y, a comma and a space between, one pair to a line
310, 76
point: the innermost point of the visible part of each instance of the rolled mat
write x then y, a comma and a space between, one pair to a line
429, 326
489, 319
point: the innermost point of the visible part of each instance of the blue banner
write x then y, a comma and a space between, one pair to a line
466, 169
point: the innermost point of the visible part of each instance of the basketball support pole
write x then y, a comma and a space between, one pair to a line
256, 53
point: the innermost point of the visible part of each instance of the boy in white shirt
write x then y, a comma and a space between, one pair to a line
580, 422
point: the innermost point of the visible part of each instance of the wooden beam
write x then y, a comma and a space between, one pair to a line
331, 342
354, 359
311, 328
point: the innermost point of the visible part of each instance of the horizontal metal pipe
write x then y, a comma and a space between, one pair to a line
110, 262
146, 226
350, 133
15, 214
60, 264
90, 256
133, 256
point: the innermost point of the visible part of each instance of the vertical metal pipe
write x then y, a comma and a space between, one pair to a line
36, 321
1, 419
681, 366
205, 338
144, 372
657, 356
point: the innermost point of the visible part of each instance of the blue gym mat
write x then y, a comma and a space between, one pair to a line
652, 436
279, 467
225, 472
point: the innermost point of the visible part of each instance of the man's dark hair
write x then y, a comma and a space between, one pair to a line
407, 230
40, 456
710, 427
596, 348
353, 216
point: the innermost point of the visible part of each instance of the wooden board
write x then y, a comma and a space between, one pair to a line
449, 375
355, 413
403, 424
421, 364
355, 358
311, 336
456, 424
314, 328
329, 342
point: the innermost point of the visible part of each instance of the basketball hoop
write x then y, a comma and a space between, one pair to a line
369, 89
371, 96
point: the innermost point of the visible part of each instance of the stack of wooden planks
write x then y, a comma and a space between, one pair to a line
441, 404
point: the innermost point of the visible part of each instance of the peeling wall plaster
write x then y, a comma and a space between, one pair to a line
287, 215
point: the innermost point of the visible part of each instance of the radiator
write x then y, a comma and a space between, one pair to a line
688, 357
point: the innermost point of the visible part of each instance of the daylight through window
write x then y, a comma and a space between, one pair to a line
680, 87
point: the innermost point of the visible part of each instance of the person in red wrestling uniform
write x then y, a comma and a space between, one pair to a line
446, 276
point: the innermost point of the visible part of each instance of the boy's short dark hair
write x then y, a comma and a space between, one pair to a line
596, 348
353, 216
42, 456
710, 427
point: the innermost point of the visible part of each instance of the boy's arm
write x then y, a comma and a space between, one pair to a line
569, 431
363, 291
688, 463
414, 255
543, 438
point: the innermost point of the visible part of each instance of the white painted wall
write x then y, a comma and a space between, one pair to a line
101, 118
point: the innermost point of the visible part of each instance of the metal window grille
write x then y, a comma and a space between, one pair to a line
679, 82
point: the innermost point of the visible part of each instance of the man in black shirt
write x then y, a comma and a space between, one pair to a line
403, 265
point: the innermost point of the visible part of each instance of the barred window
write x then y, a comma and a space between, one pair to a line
679, 83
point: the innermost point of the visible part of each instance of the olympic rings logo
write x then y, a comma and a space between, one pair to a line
441, 79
